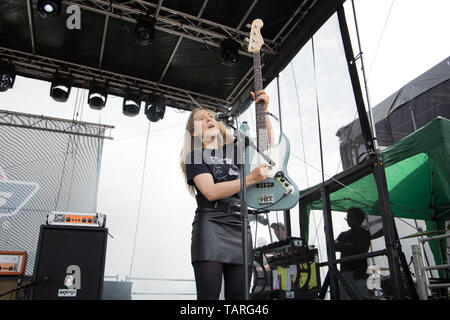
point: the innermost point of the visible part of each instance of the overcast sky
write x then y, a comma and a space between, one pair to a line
395, 51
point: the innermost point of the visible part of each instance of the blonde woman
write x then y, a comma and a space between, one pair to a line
209, 163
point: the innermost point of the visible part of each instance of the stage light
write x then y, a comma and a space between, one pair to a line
98, 94
144, 31
49, 8
61, 86
155, 108
229, 55
7, 76
131, 103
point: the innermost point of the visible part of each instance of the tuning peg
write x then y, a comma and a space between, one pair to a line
249, 25
246, 39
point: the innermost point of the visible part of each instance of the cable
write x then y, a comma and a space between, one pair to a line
318, 115
372, 124
75, 145
317, 109
335, 180
77, 107
140, 201
303, 145
301, 122
379, 41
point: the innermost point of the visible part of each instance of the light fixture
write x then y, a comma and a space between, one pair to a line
155, 108
61, 86
98, 94
49, 8
131, 103
229, 54
7, 76
144, 31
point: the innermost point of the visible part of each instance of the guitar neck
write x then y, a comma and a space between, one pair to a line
261, 130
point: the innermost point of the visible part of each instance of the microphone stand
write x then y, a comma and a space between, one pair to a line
243, 141
242, 146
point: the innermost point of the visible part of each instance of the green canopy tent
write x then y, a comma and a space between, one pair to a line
418, 178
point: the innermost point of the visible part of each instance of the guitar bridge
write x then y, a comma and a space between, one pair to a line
265, 199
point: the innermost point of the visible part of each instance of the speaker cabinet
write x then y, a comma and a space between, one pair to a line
70, 263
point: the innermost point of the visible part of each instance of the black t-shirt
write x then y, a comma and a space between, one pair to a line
221, 164
353, 242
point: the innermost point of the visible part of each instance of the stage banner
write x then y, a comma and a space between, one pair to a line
46, 165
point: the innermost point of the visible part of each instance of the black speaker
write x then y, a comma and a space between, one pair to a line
70, 263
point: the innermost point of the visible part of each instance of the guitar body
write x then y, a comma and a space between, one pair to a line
278, 192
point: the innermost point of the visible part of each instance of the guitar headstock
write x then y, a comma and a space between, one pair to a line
256, 41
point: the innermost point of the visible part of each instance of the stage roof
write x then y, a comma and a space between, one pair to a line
183, 62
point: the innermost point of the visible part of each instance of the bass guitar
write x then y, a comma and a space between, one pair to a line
278, 191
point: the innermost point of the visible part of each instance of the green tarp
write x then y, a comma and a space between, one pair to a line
418, 177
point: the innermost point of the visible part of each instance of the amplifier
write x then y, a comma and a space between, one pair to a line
76, 219
12, 263
287, 269
285, 252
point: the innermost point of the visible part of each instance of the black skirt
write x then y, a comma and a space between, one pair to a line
217, 236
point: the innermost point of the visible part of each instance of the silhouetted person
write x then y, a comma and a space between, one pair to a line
349, 243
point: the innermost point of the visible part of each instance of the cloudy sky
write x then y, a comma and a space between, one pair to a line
149, 211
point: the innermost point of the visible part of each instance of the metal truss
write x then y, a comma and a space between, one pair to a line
194, 28
175, 22
168, 20
44, 68
43, 123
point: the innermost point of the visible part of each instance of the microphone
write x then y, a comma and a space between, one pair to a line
223, 116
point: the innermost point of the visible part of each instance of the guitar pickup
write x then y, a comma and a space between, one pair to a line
265, 185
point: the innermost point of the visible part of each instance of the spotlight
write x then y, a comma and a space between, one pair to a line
229, 55
49, 8
98, 94
131, 103
155, 108
144, 31
7, 76
61, 86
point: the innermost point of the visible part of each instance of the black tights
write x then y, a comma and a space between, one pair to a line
208, 280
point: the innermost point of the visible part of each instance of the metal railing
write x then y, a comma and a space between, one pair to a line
423, 281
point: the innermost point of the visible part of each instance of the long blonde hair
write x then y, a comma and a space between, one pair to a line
225, 136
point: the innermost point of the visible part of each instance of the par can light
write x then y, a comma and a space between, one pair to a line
131, 103
49, 9
61, 86
155, 108
98, 94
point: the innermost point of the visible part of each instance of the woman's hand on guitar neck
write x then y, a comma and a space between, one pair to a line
262, 96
